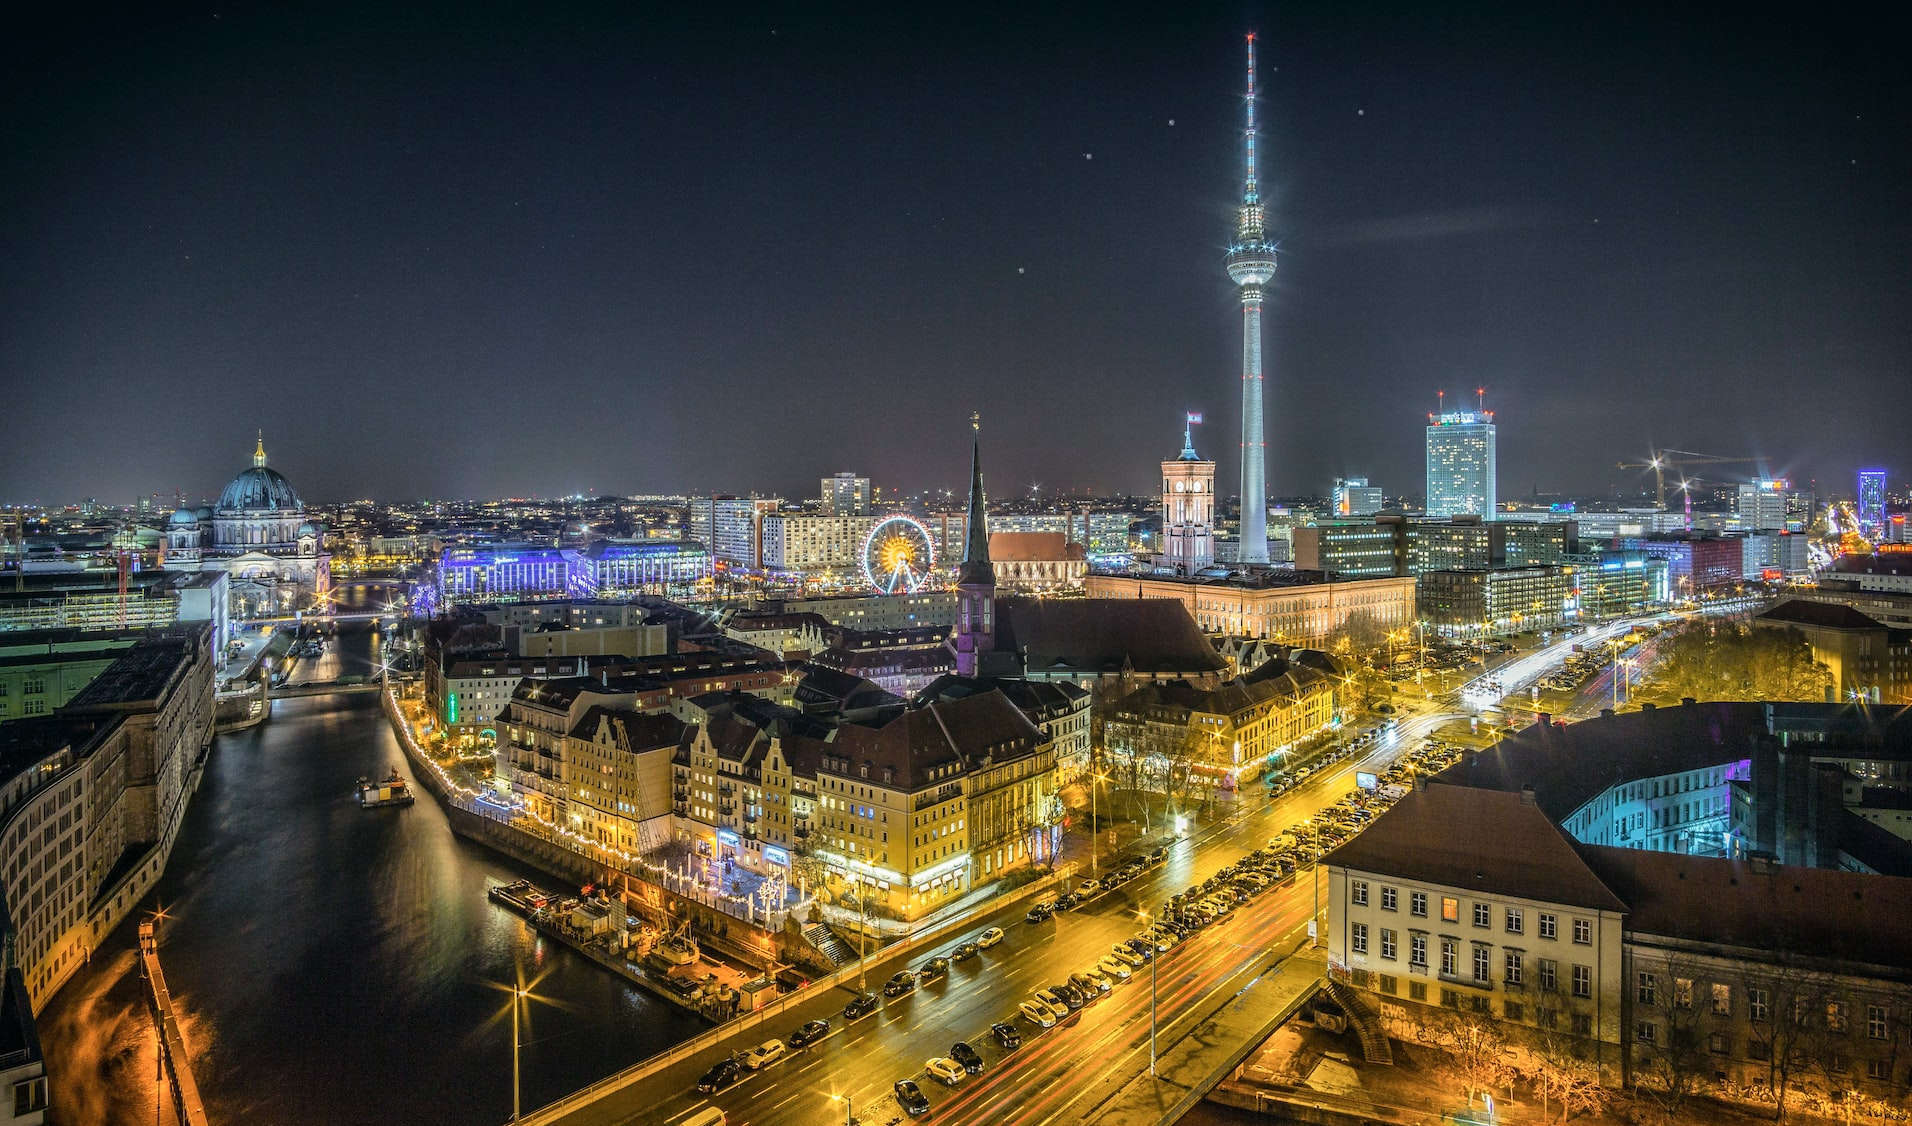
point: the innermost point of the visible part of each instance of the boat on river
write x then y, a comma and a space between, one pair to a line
391, 791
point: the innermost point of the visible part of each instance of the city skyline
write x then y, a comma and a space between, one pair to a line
405, 271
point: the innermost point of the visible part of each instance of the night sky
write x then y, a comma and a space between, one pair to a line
492, 252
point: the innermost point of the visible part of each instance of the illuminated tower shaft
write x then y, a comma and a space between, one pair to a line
1251, 263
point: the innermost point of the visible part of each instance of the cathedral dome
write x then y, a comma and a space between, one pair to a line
182, 518
260, 488
307, 529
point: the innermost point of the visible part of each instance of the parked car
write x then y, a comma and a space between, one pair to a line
1088, 887
1038, 1014
1126, 955
1092, 986
945, 1069
901, 982
861, 1006
969, 1057
764, 1054
1040, 913
933, 969
1115, 968
910, 1097
1069, 901
809, 1033
724, 1073
989, 937
1006, 1034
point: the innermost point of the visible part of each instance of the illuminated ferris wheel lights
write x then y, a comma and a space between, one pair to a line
898, 555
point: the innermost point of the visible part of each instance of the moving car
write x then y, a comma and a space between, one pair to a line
901, 982
1006, 1034
911, 1098
809, 1033
861, 1006
724, 1073
945, 1069
1036, 1013
764, 1054
934, 968
989, 937
969, 1057
965, 952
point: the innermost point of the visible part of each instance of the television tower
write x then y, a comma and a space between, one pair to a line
1251, 263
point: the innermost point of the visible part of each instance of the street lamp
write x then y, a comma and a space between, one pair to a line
1095, 824
849, 1108
1142, 914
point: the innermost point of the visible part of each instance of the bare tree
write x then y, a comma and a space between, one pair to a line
1478, 1048
1669, 1045
1780, 997
1550, 1058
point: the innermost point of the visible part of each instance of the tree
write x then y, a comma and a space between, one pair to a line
1668, 1064
1473, 1040
1737, 661
1552, 1060
1780, 997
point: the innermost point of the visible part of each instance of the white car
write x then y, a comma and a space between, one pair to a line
1038, 1014
1127, 955
989, 937
945, 1069
1115, 968
1088, 887
764, 1054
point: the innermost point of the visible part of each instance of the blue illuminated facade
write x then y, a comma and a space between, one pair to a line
607, 569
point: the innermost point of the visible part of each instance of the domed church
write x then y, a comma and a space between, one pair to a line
258, 534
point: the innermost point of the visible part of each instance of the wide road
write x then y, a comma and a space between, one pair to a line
1033, 1084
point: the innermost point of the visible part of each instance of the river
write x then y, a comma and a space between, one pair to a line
334, 964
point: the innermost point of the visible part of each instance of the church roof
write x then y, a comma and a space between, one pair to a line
182, 517
976, 569
1090, 636
260, 489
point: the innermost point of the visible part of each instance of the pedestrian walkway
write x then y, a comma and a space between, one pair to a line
1205, 1053
172, 1042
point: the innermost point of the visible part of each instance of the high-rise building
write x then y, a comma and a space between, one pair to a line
1353, 496
1871, 500
732, 527
1188, 508
1461, 464
1251, 263
1762, 504
846, 494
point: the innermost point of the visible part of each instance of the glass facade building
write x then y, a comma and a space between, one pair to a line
1461, 464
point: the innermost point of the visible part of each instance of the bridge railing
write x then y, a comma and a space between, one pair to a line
845, 975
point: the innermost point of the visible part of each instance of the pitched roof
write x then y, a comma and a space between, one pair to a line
1458, 837
976, 569
1825, 615
1105, 635
1033, 547
1811, 912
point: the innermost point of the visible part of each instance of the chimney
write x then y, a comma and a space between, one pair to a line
1648, 707
1543, 719
1526, 795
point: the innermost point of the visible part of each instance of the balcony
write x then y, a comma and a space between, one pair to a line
803, 832
726, 807
681, 793
750, 833
682, 807
726, 788
750, 818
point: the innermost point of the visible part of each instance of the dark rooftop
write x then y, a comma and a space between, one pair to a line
1105, 635
1459, 837
1824, 615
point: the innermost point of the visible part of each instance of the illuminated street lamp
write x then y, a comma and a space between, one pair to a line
849, 1108
1095, 832
1142, 914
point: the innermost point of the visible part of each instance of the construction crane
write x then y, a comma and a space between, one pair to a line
1661, 459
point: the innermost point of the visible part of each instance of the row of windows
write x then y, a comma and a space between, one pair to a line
1514, 920
1513, 962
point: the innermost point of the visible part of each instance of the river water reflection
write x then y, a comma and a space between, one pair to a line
334, 964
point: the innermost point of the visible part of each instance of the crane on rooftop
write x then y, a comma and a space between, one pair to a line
1662, 459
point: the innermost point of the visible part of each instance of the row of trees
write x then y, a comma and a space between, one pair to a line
1737, 661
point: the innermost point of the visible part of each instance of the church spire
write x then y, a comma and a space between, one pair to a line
976, 569
259, 451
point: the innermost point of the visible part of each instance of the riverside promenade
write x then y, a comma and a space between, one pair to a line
172, 1042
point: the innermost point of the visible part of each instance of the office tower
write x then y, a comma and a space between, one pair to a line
1871, 500
1762, 504
1353, 496
846, 494
1461, 464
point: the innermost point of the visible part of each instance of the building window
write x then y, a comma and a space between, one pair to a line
1583, 981
1417, 903
1450, 909
1546, 925
1722, 1000
1646, 1032
1513, 967
1648, 989
1879, 1069
1583, 931
1358, 892
1483, 915
1683, 992
1549, 975
1389, 899
1758, 1006
1514, 920
1417, 950
1358, 937
1514, 1010
1450, 957
1582, 1024
1835, 1016
1417, 991
1389, 984
1483, 964
1718, 1044
1547, 1018
1480, 1004
1450, 999
1387, 944
1757, 1049
1875, 1022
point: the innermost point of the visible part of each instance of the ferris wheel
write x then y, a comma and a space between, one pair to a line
898, 556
